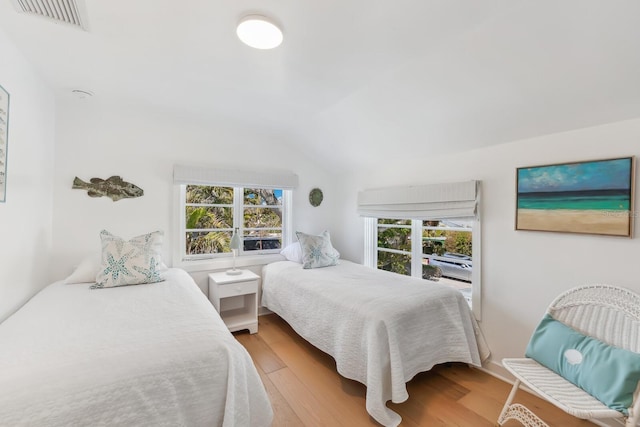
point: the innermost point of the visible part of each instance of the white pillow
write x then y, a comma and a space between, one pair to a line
317, 251
293, 252
131, 262
86, 271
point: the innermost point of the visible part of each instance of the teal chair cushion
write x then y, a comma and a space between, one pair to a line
608, 373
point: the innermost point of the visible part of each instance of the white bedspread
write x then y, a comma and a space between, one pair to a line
381, 328
145, 355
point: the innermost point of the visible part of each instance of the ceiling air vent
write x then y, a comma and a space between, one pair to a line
66, 11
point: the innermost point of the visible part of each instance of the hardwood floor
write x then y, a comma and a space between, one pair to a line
306, 390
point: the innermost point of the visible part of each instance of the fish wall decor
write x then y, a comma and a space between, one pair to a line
114, 187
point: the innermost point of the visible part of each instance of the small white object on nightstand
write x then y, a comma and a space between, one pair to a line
235, 247
231, 290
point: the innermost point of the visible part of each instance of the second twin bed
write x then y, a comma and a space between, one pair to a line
381, 328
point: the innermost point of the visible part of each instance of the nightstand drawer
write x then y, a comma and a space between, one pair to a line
241, 288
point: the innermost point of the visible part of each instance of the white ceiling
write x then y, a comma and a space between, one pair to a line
357, 81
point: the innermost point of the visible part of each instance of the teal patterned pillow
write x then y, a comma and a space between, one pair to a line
317, 250
131, 262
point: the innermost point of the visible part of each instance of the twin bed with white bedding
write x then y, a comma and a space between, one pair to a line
155, 354
381, 328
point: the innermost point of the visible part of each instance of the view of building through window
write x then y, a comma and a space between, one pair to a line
212, 213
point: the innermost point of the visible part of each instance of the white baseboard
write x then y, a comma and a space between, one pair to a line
496, 369
263, 311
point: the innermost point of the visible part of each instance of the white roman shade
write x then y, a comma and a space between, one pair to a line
426, 202
198, 175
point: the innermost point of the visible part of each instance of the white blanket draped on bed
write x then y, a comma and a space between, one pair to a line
155, 354
381, 328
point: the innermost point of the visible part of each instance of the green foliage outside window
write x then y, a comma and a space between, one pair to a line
210, 212
208, 217
398, 238
265, 219
396, 234
458, 242
437, 242
396, 263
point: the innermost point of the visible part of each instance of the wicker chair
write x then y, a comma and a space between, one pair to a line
608, 313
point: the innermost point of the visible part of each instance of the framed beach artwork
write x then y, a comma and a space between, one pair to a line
593, 197
4, 133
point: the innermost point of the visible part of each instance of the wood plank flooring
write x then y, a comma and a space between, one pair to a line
306, 390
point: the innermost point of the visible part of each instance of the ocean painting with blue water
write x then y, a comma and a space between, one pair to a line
584, 197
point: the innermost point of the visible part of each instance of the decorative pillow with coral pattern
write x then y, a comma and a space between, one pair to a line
317, 251
130, 262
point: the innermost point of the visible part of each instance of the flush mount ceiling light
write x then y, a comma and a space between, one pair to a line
259, 32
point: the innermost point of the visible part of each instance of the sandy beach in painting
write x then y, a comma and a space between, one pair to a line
576, 221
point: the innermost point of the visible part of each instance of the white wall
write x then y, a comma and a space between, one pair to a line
522, 270
25, 217
140, 145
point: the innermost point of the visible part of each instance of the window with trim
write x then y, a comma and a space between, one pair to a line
212, 202
427, 231
442, 251
212, 213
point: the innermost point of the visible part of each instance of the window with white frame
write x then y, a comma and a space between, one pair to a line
430, 232
442, 251
212, 213
210, 209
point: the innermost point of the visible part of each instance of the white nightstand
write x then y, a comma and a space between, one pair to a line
236, 299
